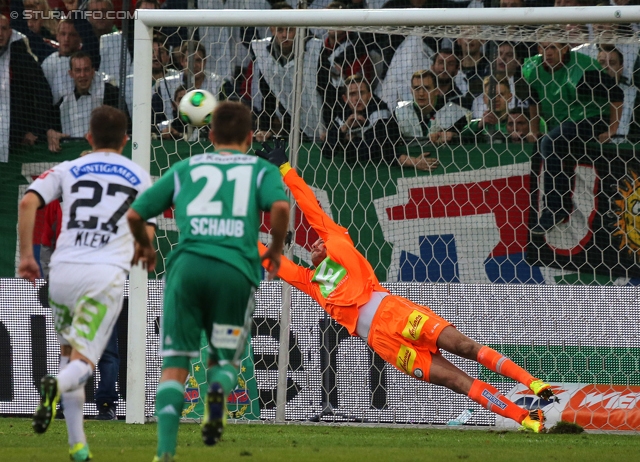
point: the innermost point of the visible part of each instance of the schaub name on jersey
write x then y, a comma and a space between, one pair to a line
96, 192
217, 198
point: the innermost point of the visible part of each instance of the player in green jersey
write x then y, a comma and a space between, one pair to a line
579, 102
214, 270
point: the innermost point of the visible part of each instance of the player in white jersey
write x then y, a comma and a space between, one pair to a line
90, 264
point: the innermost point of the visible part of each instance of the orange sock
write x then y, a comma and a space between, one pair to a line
490, 398
496, 362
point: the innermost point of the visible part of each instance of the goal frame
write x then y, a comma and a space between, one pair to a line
141, 141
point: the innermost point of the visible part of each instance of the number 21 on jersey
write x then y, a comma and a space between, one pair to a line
205, 203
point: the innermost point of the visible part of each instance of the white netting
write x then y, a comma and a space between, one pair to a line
560, 33
475, 76
439, 180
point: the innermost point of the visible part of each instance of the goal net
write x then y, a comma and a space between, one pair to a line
484, 162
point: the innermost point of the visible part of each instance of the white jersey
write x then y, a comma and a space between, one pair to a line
96, 191
110, 47
56, 71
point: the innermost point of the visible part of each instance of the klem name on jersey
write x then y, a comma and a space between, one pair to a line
217, 227
91, 239
106, 169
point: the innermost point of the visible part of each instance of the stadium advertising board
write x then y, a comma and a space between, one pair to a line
592, 406
594, 340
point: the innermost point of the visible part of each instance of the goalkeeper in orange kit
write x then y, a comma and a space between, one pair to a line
406, 335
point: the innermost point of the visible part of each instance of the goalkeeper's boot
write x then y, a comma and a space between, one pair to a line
166, 457
215, 415
543, 390
46, 410
80, 452
534, 422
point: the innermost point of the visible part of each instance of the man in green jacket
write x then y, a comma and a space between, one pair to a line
579, 102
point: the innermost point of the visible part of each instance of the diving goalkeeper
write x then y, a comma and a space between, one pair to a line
406, 335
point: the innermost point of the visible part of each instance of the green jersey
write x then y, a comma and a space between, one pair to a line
218, 198
577, 90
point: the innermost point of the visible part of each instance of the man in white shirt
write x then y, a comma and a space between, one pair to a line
24, 93
427, 118
56, 66
111, 48
90, 264
272, 83
159, 70
89, 92
612, 33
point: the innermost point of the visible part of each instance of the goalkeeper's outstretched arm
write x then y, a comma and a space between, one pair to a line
296, 275
304, 196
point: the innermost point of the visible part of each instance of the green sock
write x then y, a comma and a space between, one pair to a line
169, 403
226, 375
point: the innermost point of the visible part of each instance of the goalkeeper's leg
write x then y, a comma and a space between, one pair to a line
442, 372
453, 341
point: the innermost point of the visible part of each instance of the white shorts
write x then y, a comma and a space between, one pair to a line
86, 300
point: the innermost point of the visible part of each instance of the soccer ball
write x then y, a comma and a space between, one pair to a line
196, 107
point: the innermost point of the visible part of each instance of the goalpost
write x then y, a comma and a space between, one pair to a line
395, 256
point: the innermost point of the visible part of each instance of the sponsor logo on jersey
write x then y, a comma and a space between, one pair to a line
217, 227
414, 325
226, 336
328, 276
494, 399
103, 168
405, 359
232, 158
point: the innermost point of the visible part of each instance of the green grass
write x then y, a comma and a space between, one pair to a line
117, 441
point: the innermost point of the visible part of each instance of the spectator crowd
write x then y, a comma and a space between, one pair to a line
365, 96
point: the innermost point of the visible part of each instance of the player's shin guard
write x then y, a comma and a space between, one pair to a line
226, 375
490, 398
499, 363
169, 403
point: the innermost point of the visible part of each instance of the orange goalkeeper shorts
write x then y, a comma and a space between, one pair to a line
404, 334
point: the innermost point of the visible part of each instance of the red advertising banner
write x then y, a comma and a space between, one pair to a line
592, 406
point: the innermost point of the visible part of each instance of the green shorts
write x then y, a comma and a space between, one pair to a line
204, 294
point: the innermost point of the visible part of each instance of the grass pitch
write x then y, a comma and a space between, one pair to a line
117, 441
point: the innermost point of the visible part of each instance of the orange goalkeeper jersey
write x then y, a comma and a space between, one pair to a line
344, 281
